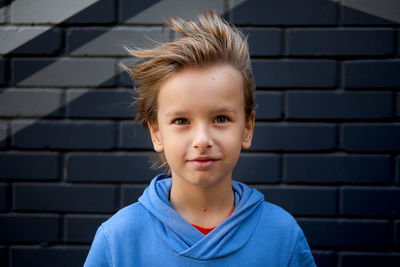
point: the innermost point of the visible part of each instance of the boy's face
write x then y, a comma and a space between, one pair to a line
201, 124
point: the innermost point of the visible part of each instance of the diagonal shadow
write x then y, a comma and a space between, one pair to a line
34, 45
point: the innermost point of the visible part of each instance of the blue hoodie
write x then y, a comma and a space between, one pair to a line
152, 233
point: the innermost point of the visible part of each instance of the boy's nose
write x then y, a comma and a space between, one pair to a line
202, 139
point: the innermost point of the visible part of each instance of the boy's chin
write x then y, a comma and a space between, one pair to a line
205, 182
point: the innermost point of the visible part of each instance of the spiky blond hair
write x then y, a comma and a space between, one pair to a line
208, 41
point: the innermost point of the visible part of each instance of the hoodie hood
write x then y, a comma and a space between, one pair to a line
228, 237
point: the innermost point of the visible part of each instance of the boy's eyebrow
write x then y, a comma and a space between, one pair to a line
223, 110
178, 113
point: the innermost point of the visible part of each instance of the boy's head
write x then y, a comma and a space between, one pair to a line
203, 45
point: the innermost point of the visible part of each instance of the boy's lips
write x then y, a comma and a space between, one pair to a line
203, 162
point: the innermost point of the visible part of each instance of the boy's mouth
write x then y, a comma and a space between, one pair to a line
203, 162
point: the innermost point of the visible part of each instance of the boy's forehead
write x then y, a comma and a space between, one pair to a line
220, 87
219, 75
215, 76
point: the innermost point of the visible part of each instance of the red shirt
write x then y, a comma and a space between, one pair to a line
205, 230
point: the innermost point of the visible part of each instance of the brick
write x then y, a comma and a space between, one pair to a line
134, 136
361, 12
62, 256
3, 16
293, 137
268, 105
302, 201
352, 169
4, 197
353, 105
29, 166
3, 72
64, 198
397, 233
334, 233
156, 12
54, 12
372, 74
30, 40
113, 103
398, 104
370, 201
349, 259
18, 228
323, 258
372, 137
64, 72
251, 168
398, 170
287, 12
31, 103
3, 250
100, 12
63, 134
110, 41
340, 42
3, 132
131, 193
82, 228
111, 167
398, 41
294, 73
263, 42
124, 77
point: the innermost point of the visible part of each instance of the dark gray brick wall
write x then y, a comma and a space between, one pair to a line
3, 71
62, 134
3, 133
340, 42
293, 137
370, 201
294, 73
63, 256
107, 103
82, 228
65, 198
110, 42
372, 137
47, 42
264, 42
348, 259
17, 102
349, 234
17, 228
337, 168
339, 105
372, 74
327, 138
64, 72
286, 12
29, 166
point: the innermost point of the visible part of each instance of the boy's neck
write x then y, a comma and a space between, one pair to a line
203, 206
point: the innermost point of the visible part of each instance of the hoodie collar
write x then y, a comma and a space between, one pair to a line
183, 238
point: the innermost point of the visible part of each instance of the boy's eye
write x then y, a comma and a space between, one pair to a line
221, 119
181, 121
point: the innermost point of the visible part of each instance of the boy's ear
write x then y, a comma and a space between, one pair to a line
248, 131
155, 137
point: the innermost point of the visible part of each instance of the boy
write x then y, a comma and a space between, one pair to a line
196, 95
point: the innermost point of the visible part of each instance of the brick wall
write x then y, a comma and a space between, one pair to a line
327, 137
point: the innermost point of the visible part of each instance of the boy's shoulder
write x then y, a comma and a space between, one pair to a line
277, 218
129, 217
